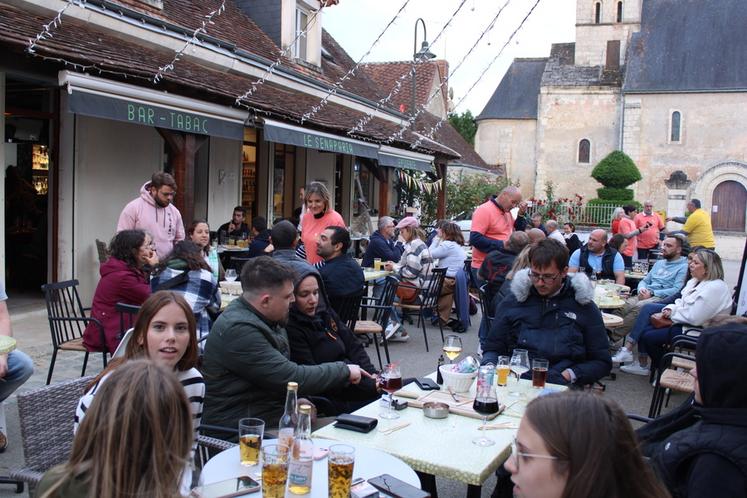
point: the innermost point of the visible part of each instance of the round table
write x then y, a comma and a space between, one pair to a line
7, 344
368, 463
612, 321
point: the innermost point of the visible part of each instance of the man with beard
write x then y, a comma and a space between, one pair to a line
247, 363
154, 212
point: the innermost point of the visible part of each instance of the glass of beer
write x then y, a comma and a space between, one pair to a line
251, 431
274, 470
341, 459
539, 372
377, 264
502, 370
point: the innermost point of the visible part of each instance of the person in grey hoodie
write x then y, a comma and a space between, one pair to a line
284, 238
154, 212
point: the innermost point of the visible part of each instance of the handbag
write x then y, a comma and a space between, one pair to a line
659, 321
407, 293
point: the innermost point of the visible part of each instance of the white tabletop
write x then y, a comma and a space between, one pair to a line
368, 463
443, 447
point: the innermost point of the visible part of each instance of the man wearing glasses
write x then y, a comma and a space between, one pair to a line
382, 244
552, 316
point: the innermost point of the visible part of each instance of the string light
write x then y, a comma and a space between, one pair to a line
46, 32
271, 68
200, 30
362, 122
398, 134
438, 125
338, 84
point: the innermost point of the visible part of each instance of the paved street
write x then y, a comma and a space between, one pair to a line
31, 328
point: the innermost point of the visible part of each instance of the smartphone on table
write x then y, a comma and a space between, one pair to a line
426, 384
238, 486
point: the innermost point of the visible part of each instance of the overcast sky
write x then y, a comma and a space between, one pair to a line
355, 24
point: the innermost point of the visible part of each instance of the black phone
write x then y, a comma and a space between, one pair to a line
426, 384
237, 486
392, 486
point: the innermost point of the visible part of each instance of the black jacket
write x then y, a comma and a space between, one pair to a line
494, 269
259, 244
379, 247
608, 262
342, 276
566, 329
241, 232
701, 450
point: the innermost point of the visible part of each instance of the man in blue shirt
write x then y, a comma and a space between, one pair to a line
598, 258
665, 279
382, 244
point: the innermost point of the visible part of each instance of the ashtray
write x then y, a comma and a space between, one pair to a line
433, 409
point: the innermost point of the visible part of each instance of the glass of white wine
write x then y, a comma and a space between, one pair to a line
231, 275
452, 347
519, 364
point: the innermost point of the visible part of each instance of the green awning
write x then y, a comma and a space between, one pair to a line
396, 158
278, 132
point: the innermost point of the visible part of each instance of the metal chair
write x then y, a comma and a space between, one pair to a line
348, 308
382, 310
127, 315
237, 263
485, 305
67, 321
47, 416
672, 373
428, 297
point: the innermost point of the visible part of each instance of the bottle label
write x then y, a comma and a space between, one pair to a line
285, 437
299, 472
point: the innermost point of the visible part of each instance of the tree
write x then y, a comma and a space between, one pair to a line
465, 124
615, 172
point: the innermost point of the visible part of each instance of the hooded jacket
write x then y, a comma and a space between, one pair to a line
164, 224
120, 283
566, 329
709, 457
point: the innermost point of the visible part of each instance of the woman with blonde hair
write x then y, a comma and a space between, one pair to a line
319, 215
448, 248
134, 442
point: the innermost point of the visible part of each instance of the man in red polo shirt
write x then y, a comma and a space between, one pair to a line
648, 238
492, 224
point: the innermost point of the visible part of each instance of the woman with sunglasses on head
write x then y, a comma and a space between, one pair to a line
164, 332
134, 442
552, 458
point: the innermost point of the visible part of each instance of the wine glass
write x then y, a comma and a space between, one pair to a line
486, 403
231, 275
390, 381
519, 364
452, 347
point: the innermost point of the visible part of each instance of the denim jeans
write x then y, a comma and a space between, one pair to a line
20, 368
643, 322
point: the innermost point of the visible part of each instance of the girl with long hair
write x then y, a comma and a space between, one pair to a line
552, 458
124, 279
199, 233
134, 441
186, 272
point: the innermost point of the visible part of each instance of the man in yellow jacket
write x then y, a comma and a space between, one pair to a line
697, 226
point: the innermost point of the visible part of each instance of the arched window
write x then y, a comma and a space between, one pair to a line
619, 12
584, 151
675, 127
597, 13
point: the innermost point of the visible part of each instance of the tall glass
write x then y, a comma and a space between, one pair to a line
340, 462
519, 364
390, 381
539, 372
502, 370
231, 275
274, 470
452, 347
486, 403
251, 431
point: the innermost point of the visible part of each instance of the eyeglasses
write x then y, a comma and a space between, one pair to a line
536, 277
519, 455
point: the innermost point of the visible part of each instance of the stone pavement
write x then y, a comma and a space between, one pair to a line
31, 328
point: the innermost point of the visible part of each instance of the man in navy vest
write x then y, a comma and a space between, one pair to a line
599, 258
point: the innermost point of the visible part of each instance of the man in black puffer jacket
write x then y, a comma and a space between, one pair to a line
700, 449
553, 317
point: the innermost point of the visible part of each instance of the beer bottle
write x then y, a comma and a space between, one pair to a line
302, 455
439, 377
287, 424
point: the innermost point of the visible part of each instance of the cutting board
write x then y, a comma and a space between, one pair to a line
461, 407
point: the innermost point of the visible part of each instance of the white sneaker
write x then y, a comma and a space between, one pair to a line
399, 337
623, 355
391, 329
635, 369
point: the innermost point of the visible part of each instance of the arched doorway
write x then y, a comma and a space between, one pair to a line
729, 207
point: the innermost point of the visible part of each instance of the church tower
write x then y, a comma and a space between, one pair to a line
603, 29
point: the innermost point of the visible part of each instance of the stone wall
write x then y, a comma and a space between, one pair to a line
510, 142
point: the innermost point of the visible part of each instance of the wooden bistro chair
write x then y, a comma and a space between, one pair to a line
382, 310
485, 305
348, 308
426, 299
67, 321
673, 372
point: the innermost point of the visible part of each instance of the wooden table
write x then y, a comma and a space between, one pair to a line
443, 447
370, 275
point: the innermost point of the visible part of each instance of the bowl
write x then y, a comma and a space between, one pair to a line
433, 409
458, 381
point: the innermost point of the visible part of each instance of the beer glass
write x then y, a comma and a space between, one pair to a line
251, 431
274, 470
539, 372
341, 459
377, 264
502, 370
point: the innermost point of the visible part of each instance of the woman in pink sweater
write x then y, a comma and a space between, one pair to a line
318, 217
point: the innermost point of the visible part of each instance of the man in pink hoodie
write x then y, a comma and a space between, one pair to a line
154, 212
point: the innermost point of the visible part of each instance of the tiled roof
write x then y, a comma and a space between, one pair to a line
386, 74
78, 42
517, 94
689, 45
336, 63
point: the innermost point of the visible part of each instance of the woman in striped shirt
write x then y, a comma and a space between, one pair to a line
164, 332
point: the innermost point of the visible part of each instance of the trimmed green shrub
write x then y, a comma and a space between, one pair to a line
617, 170
613, 194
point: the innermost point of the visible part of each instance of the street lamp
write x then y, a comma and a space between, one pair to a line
423, 54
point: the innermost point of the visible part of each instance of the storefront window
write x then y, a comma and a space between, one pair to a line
249, 173
282, 174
